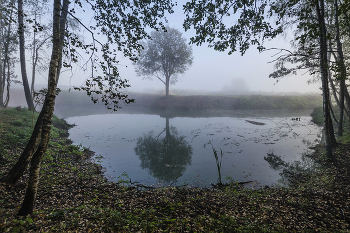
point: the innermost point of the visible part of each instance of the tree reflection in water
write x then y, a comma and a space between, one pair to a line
291, 172
166, 158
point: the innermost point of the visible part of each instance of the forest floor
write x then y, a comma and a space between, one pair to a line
74, 196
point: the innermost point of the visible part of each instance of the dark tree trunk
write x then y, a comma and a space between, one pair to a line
340, 62
29, 200
28, 96
347, 98
332, 113
1, 77
327, 121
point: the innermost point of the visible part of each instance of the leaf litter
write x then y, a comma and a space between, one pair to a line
74, 196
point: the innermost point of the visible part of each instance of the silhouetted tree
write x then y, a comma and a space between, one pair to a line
165, 56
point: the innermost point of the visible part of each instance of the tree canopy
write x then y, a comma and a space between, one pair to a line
320, 29
165, 56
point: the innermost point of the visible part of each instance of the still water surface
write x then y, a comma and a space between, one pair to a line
159, 151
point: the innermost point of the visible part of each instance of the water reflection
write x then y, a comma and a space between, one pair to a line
296, 169
166, 157
129, 142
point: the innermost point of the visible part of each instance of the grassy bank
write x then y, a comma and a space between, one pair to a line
77, 103
73, 196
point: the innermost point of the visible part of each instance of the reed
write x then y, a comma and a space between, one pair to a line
218, 163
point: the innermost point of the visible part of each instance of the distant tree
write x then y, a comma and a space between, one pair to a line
238, 87
165, 56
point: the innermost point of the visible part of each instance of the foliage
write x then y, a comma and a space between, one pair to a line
123, 24
230, 25
164, 56
39, 97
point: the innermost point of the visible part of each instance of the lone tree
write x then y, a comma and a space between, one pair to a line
165, 56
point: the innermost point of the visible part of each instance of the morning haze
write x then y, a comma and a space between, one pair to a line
129, 134
212, 72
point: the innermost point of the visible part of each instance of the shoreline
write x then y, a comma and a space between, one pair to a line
73, 196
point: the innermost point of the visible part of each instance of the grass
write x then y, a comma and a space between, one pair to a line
74, 196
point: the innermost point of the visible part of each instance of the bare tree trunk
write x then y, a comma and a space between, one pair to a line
334, 90
4, 45
167, 82
28, 96
1, 77
327, 121
63, 21
346, 92
35, 62
347, 98
29, 200
8, 84
340, 62
332, 112
6, 63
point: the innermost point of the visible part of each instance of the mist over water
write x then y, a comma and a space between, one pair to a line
159, 151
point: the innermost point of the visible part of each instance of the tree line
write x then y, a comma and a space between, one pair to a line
321, 32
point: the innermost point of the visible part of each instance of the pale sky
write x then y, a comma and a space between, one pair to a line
211, 70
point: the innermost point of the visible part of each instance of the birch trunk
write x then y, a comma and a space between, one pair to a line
29, 200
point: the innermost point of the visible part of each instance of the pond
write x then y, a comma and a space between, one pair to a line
175, 149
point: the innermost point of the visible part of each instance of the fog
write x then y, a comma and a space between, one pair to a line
211, 72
